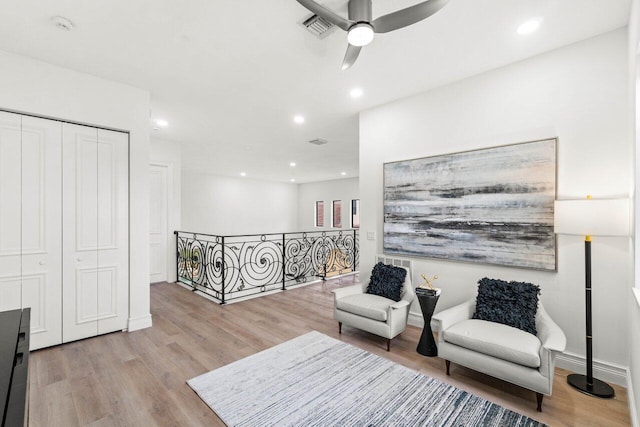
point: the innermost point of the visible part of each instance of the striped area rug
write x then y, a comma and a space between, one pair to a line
315, 380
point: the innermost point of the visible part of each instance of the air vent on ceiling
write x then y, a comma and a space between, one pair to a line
318, 26
318, 141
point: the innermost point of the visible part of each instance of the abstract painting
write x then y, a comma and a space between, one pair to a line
492, 206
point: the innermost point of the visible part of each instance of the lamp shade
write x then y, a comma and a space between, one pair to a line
603, 217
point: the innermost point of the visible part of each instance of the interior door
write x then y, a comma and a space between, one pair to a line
41, 228
158, 213
80, 237
10, 211
113, 231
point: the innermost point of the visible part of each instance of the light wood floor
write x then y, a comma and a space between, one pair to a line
138, 378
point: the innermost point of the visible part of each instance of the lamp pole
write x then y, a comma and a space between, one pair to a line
587, 384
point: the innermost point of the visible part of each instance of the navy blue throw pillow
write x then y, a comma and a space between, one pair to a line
510, 303
386, 281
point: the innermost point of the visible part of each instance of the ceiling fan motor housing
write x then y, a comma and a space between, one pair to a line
360, 11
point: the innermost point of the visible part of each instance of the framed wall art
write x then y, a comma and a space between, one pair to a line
492, 206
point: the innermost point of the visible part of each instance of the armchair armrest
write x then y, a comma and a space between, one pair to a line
347, 290
400, 304
549, 333
453, 315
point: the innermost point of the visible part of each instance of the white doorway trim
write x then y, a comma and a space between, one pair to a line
167, 257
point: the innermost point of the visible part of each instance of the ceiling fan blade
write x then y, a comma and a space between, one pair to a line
327, 14
407, 16
351, 56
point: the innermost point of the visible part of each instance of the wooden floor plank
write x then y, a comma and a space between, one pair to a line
139, 378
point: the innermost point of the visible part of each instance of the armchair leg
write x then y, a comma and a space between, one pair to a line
539, 397
388, 344
448, 363
340, 327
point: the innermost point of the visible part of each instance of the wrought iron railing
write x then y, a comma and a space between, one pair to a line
232, 267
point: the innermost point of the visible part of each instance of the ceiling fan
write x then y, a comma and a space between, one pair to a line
360, 27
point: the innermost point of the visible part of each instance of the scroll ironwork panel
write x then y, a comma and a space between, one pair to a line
232, 267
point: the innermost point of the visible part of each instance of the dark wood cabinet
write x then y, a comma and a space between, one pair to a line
14, 366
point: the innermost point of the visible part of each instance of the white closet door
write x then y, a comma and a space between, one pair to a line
10, 211
158, 208
113, 231
80, 237
30, 223
42, 229
96, 229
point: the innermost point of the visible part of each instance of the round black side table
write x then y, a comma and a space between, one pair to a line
427, 345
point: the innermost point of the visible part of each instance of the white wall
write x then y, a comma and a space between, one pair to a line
169, 154
35, 87
213, 204
327, 191
577, 93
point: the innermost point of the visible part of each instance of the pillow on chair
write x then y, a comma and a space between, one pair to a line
386, 281
510, 303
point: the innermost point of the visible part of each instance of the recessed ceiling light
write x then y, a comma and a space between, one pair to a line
293, 180
243, 174
162, 123
343, 173
356, 92
298, 119
529, 26
62, 23
292, 164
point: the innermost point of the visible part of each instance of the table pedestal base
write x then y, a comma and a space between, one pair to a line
427, 345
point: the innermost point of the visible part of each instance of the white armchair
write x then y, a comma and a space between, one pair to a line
378, 315
499, 350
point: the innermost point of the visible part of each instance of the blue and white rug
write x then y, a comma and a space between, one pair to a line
315, 380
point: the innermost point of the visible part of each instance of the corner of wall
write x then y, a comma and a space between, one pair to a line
140, 322
633, 410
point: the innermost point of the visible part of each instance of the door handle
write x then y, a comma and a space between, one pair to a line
42, 262
79, 259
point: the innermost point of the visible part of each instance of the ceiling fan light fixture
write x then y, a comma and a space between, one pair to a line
360, 34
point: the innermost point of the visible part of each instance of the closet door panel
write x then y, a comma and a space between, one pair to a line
86, 190
10, 211
80, 237
42, 229
10, 292
113, 231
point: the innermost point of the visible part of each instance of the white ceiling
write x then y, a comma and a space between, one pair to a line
229, 75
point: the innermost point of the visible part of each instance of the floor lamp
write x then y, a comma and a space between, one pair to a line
587, 217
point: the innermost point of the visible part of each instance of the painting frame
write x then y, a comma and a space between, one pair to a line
426, 214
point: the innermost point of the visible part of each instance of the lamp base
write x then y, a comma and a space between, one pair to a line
598, 389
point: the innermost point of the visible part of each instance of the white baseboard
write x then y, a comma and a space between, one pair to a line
635, 422
415, 319
140, 322
603, 371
